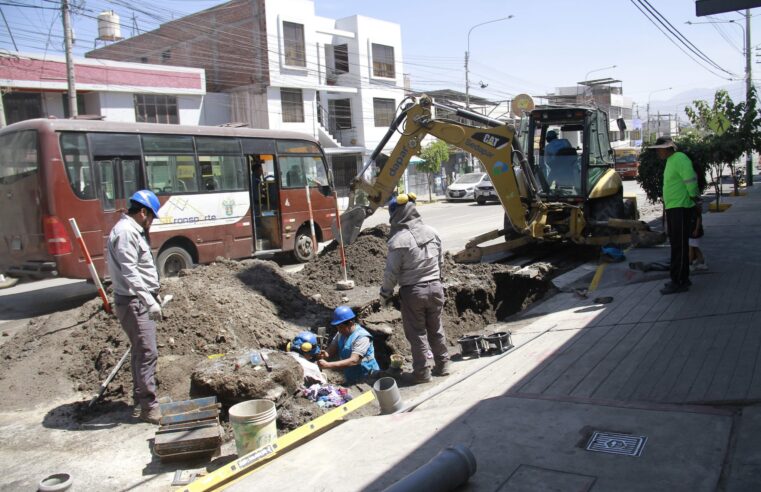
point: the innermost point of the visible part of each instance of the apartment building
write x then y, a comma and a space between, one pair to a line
284, 67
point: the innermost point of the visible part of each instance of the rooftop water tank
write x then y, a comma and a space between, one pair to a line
108, 26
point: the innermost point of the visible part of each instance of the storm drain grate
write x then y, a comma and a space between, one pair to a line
610, 442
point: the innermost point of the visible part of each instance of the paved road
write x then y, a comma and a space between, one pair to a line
457, 222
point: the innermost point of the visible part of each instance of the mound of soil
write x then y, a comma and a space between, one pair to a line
229, 307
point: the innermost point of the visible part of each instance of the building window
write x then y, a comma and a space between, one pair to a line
80, 104
166, 56
20, 106
293, 105
384, 110
151, 108
341, 57
340, 111
293, 43
383, 61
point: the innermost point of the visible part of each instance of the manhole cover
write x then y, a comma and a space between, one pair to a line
610, 442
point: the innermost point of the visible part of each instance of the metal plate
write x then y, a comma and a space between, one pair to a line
613, 443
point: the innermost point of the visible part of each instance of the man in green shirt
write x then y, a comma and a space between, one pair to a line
680, 195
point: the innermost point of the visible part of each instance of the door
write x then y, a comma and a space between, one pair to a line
117, 179
265, 201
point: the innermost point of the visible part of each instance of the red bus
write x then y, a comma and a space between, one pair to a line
226, 192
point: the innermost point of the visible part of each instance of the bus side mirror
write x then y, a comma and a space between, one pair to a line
621, 124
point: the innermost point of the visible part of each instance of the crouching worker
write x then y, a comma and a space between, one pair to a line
354, 347
305, 348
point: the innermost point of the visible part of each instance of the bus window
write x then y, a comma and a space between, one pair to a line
171, 173
130, 176
296, 172
77, 159
222, 172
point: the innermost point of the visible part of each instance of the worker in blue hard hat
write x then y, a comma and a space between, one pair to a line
136, 286
354, 347
305, 344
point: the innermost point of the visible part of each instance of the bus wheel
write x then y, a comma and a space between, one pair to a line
172, 260
303, 248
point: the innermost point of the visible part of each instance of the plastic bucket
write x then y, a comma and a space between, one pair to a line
254, 425
387, 393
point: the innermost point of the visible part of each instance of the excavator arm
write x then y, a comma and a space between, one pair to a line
493, 146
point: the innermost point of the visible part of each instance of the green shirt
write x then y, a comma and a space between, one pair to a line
680, 183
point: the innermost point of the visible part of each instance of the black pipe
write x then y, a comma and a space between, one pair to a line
446, 471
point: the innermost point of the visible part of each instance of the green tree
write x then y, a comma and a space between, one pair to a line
433, 155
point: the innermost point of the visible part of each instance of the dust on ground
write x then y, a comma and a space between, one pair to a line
233, 307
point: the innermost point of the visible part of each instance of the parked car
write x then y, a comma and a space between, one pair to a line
484, 191
464, 186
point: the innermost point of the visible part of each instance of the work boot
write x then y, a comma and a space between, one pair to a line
415, 377
152, 415
441, 368
672, 288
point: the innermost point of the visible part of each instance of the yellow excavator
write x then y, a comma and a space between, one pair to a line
556, 181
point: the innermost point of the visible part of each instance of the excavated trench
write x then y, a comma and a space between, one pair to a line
231, 307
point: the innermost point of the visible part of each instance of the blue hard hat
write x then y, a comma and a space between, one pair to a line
400, 200
305, 342
148, 199
342, 314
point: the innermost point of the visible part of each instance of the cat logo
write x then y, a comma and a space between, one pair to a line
491, 139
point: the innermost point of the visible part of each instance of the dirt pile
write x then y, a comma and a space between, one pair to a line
229, 307
218, 308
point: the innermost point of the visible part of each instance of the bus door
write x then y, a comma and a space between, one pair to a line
265, 205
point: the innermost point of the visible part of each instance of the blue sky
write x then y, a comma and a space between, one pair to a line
546, 44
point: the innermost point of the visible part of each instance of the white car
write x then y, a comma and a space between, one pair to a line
464, 186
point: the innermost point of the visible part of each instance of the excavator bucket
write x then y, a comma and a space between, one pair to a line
351, 223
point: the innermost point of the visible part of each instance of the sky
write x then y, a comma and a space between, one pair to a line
546, 44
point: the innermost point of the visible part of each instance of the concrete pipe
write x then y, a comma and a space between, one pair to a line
447, 470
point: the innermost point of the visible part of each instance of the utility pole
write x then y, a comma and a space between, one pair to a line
748, 82
69, 60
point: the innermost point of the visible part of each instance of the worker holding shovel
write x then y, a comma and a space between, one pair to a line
136, 286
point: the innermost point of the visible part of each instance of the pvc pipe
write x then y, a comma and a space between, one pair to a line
90, 266
448, 470
387, 393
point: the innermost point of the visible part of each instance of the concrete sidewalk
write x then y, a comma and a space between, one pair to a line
683, 372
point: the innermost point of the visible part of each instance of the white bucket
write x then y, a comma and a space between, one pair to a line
254, 425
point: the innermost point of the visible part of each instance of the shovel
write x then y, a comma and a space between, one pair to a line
119, 364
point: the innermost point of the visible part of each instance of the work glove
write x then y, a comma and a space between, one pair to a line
154, 312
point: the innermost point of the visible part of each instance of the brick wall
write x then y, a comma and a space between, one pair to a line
229, 41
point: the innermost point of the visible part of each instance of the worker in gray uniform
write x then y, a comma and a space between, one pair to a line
414, 262
136, 286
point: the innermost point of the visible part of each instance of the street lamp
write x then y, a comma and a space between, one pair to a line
748, 80
648, 110
586, 77
467, 56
